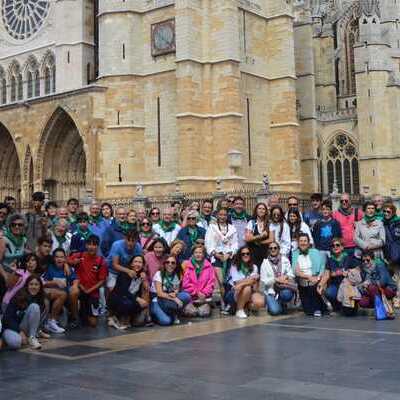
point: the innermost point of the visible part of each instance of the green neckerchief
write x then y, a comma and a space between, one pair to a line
168, 281
17, 241
146, 234
198, 266
244, 269
83, 234
60, 239
72, 219
95, 219
304, 253
395, 218
193, 234
379, 214
242, 216
167, 228
126, 226
341, 257
368, 219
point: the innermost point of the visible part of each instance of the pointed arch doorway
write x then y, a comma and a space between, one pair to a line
62, 158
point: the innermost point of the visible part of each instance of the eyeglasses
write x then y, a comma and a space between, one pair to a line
191, 218
344, 201
366, 260
170, 263
335, 245
17, 225
155, 213
387, 211
273, 248
245, 254
146, 224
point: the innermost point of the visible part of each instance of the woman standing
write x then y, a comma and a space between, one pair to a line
107, 213
297, 227
370, 232
155, 215
169, 299
281, 230
222, 244
146, 235
258, 233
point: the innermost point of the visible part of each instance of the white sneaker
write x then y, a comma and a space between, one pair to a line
34, 343
52, 327
177, 321
317, 314
241, 314
114, 323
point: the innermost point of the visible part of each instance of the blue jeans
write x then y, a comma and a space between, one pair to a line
274, 306
331, 292
165, 311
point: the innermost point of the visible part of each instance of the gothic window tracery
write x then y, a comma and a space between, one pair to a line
351, 37
341, 165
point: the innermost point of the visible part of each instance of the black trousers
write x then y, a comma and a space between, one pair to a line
310, 299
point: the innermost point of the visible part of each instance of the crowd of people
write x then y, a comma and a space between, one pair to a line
62, 268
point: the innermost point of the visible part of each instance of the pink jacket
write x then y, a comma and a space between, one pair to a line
203, 284
348, 226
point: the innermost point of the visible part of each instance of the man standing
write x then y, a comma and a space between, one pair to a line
239, 219
167, 228
206, 214
11, 204
115, 231
347, 218
378, 201
314, 214
72, 207
36, 221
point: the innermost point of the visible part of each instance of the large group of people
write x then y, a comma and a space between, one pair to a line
62, 268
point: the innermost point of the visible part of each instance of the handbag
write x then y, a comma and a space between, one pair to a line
380, 311
388, 306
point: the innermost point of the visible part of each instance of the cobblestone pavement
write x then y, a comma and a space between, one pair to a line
261, 358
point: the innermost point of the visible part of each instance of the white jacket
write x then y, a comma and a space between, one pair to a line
169, 237
267, 276
304, 228
217, 242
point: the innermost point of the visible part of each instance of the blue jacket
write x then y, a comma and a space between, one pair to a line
380, 275
112, 233
317, 262
185, 237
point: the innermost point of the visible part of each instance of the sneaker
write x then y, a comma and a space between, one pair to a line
148, 322
52, 327
43, 335
114, 323
226, 310
34, 343
241, 314
177, 321
317, 313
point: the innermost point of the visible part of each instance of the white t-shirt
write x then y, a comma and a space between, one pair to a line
158, 278
236, 275
304, 263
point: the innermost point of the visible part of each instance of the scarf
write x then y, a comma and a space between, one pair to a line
304, 253
276, 263
368, 219
167, 227
392, 220
341, 257
95, 220
83, 234
146, 234
345, 212
17, 241
60, 239
371, 272
72, 219
244, 269
168, 281
126, 226
241, 216
206, 218
193, 234
198, 266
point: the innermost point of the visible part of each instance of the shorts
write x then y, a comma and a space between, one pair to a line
111, 280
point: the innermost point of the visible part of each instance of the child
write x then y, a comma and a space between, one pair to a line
92, 273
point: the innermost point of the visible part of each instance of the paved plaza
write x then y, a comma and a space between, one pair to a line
293, 357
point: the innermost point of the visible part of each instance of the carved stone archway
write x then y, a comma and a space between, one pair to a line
10, 171
61, 159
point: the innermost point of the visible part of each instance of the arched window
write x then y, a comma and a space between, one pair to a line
342, 168
16, 81
352, 34
47, 81
49, 73
30, 85
36, 83
3, 91
13, 85
20, 85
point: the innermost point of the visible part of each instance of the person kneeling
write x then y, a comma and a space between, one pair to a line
130, 299
92, 273
309, 267
243, 284
199, 281
277, 277
169, 300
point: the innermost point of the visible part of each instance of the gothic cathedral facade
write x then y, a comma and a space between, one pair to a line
108, 96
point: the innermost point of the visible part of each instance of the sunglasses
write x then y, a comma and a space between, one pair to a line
191, 218
366, 260
146, 224
336, 245
344, 201
170, 263
387, 211
155, 213
273, 248
245, 254
17, 225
